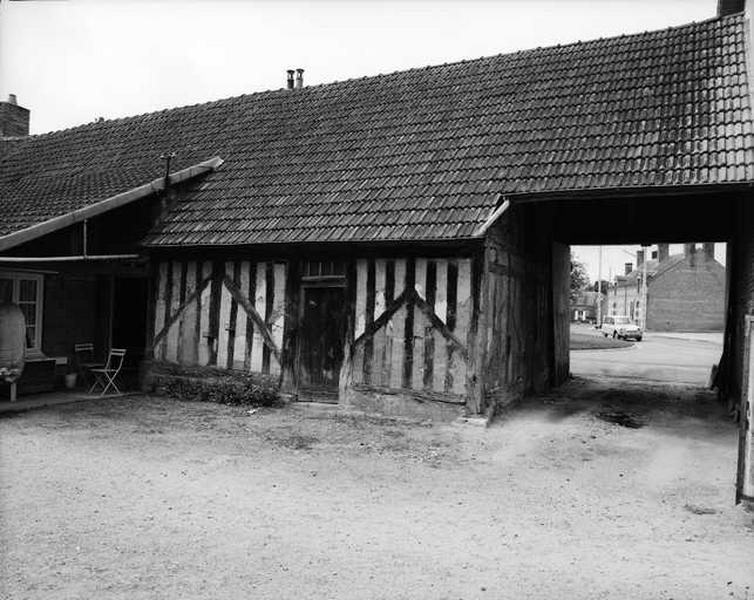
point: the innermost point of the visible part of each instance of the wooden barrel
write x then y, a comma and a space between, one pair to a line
12, 342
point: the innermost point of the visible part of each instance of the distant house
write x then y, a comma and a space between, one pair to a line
685, 292
584, 306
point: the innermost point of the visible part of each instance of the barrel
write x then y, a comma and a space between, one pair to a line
12, 342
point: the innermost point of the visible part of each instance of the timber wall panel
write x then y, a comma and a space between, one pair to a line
202, 314
241, 279
159, 310
412, 349
188, 346
277, 319
524, 285
204, 340
171, 350
259, 301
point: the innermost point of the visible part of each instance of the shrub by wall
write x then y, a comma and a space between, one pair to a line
208, 384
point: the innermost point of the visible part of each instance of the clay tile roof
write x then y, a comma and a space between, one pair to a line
418, 154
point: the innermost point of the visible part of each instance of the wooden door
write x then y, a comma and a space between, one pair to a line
323, 328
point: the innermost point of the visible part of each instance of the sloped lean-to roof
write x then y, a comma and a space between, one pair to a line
420, 154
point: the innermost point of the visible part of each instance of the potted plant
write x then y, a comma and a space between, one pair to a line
70, 377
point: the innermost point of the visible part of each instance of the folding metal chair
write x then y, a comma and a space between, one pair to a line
105, 377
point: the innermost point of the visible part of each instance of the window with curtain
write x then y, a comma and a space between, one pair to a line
25, 289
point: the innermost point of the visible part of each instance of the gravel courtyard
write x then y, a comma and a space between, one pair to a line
593, 492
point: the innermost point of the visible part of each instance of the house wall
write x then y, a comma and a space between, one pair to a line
688, 297
524, 312
74, 312
76, 308
413, 327
229, 314
409, 335
623, 298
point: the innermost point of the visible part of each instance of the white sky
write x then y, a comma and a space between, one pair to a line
70, 62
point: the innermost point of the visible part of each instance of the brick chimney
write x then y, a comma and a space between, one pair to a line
663, 251
639, 258
709, 251
627, 268
14, 119
730, 7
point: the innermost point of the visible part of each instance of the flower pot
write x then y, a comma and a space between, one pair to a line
70, 380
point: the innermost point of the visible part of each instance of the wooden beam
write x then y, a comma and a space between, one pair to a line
494, 216
244, 302
382, 319
410, 295
173, 318
441, 327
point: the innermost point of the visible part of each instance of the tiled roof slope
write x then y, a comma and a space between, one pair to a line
419, 154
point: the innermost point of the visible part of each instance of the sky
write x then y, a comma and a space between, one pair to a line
71, 62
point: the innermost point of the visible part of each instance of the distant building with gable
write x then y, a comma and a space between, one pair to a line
685, 292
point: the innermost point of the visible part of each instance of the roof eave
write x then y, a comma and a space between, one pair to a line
628, 192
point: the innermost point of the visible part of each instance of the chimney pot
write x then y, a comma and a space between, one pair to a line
730, 7
299, 78
290, 79
14, 119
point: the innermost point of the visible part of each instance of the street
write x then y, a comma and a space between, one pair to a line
665, 357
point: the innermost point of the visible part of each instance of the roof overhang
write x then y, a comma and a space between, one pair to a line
658, 191
507, 200
92, 210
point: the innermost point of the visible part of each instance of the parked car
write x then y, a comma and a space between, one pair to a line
621, 327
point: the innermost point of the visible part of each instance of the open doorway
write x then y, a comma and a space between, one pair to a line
652, 313
129, 321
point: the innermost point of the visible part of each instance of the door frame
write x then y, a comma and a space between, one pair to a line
314, 282
745, 467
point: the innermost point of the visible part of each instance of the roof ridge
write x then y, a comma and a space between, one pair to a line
286, 92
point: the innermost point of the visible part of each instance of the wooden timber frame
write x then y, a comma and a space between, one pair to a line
423, 324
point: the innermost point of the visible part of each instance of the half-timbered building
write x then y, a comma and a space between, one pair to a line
396, 242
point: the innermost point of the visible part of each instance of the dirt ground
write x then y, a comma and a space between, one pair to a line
593, 492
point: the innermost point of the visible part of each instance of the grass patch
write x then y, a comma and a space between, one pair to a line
587, 341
